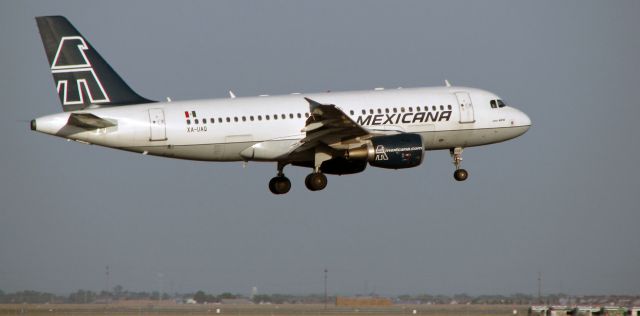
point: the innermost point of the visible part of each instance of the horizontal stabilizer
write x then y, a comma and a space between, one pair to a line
88, 121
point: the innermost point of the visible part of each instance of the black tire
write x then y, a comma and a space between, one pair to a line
279, 185
460, 175
316, 181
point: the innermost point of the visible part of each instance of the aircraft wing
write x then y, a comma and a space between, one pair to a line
327, 124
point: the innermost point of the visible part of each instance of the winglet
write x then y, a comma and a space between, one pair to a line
312, 103
232, 95
447, 83
317, 107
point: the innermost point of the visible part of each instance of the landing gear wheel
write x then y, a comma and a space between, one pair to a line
460, 175
279, 185
316, 181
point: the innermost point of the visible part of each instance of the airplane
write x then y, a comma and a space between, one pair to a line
331, 133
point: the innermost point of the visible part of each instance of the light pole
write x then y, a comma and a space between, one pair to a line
325, 287
540, 287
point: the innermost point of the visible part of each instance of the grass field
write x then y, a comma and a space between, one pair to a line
258, 310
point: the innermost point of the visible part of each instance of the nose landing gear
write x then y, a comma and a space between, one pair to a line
460, 174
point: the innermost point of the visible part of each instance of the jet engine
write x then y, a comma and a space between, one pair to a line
340, 166
390, 152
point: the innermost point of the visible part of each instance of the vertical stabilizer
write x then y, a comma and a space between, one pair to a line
82, 77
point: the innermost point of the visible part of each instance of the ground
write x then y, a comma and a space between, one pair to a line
257, 310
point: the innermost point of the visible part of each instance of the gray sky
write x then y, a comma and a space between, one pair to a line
562, 199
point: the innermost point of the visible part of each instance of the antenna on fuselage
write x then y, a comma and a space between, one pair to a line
447, 83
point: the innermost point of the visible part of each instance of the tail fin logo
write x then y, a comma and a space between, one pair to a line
74, 74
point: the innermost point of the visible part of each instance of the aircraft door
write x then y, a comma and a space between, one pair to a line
466, 107
157, 125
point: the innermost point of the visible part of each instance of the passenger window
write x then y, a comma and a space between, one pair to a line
306, 114
402, 109
395, 110
251, 118
188, 122
370, 111
228, 119
259, 117
351, 112
275, 116
235, 118
449, 107
433, 108
364, 112
195, 121
442, 108
379, 111
219, 120
386, 110
410, 109
204, 121
299, 115
244, 118
417, 109
283, 116
267, 117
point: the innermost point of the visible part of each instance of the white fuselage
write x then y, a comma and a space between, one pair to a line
264, 128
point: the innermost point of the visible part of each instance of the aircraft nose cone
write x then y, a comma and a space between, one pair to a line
525, 120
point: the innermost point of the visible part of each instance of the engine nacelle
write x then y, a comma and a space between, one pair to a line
338, 165
391, 152
342, 166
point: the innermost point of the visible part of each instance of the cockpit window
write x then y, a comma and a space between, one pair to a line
497, 104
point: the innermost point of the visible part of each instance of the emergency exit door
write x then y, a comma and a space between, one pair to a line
158, 127
466, 107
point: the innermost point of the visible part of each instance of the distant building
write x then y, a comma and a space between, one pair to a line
363, 301
585, 311
613, 311
538, 311
559, 310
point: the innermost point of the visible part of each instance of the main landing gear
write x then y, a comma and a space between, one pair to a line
316, 181
280, 184
460, 174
